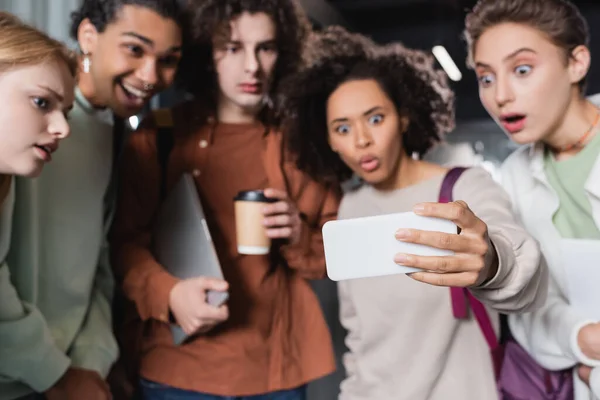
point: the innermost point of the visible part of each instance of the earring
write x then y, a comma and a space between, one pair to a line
415, 156
86, 62
148, 86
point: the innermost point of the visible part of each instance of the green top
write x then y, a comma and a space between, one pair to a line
56, 284
574, 219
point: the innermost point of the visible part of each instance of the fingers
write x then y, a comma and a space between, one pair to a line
280, 233
457, 243
206, 283
206, 318
457, 212
461, 279
584, 373
444, 264
275, 194
278, 220
281, 207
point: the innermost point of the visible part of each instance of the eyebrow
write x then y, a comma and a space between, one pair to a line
53, 92
239, 42
369, 111
508, 57
148, 41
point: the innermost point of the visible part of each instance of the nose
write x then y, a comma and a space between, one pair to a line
59, 126
251, 62
148, 72
504, 93
363, 137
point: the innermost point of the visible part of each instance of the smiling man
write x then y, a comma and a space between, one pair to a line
63, 346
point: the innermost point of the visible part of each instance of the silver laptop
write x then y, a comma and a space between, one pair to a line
182, 242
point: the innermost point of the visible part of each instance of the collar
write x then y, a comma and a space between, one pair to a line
104, 115
536, 166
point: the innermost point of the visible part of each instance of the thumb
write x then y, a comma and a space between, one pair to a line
206, 283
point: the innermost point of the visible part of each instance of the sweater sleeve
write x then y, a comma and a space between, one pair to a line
521, 281
28, 352
308, 256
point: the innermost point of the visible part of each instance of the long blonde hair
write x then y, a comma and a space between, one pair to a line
23, 45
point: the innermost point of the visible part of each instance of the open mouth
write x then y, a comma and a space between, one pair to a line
47, 149
133, 93
513, 118
45, 152
513, 123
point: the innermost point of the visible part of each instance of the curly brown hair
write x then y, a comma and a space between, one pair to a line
335, 56
211, 20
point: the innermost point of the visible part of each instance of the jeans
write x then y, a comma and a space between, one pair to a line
157, 391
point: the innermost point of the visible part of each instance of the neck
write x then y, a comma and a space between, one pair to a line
577, 120
233, 114
88, 89
409, 172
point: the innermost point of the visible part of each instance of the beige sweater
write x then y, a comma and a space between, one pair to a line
403, 340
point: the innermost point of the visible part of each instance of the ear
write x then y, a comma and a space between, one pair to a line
579, 63
404, 123
87, 36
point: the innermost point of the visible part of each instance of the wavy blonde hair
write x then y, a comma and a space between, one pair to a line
23, 45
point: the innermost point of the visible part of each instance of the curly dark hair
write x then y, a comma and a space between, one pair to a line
335, 56
103, 12
211, 22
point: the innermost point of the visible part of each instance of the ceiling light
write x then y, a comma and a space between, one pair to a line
441, 54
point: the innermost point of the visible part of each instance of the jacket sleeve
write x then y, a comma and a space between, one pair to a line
144, 280
521, 281
595, 382
28, 352
549, 333
308, 256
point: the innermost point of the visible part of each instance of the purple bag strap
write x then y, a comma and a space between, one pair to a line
460, 296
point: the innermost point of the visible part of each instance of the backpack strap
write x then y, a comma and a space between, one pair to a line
462, 298
164, 144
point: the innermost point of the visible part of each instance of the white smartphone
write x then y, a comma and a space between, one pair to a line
366, 247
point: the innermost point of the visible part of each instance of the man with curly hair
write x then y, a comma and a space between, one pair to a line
270, 339
63, 345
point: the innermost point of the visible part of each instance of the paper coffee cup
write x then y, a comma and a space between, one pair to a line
251, 234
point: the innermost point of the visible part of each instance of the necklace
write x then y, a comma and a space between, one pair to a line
581, 142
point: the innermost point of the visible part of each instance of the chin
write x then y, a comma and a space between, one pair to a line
524, 137
30, 172
374, 178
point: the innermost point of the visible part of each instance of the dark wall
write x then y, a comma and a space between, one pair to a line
426, 23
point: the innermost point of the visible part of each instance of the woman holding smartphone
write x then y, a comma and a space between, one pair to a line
531, 58
367, 111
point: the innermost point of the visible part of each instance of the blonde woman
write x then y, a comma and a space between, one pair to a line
37, 78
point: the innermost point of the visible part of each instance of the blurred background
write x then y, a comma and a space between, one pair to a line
422, 24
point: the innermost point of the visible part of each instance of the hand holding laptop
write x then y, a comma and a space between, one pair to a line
188, 304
